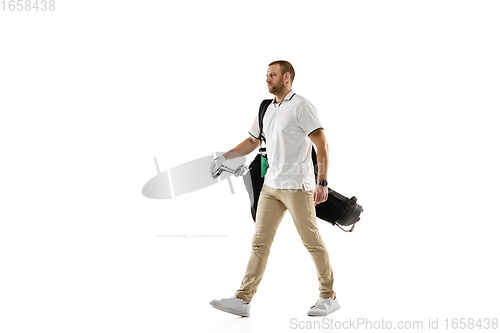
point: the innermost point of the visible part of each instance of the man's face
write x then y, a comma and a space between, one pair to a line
274, 79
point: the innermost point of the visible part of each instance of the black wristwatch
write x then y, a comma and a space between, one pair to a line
322, 182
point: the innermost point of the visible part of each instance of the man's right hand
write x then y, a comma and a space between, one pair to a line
215, 167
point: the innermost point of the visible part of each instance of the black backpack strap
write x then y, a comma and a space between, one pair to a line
262, 111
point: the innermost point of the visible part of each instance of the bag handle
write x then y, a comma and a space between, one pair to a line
350, 230
262, 111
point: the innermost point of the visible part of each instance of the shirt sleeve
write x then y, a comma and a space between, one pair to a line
308, 119
254, 130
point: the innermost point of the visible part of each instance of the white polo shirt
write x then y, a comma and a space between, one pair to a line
286, 128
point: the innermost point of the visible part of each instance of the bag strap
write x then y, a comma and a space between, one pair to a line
262, 111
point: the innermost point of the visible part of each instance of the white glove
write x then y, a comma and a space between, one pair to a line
215, 167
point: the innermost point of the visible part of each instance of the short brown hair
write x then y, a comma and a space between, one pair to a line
285, 67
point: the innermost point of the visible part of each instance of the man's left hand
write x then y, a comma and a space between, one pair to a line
320, 194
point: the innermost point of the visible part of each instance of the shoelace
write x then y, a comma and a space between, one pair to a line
319, 302
235, 298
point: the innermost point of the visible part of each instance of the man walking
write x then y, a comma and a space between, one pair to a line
290, 126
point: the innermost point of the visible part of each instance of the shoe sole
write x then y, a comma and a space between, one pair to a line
321, 315
228, 310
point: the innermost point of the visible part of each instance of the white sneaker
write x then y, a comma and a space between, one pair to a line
324, 306
232, 305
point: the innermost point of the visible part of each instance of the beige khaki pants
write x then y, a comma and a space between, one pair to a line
272, 206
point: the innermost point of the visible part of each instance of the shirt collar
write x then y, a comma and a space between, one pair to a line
288, 97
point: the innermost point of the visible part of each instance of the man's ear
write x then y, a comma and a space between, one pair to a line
287, 76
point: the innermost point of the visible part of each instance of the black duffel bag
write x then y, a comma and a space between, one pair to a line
337, 209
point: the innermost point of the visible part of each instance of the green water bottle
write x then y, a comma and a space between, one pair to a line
264, 164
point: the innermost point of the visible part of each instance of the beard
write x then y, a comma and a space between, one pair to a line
278, 88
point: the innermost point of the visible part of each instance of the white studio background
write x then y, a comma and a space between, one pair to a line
91, 92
